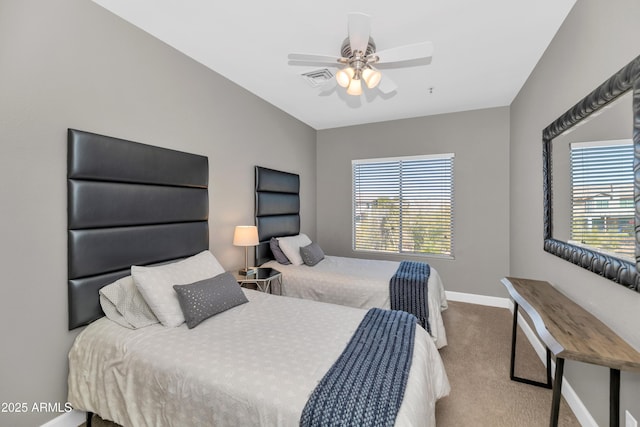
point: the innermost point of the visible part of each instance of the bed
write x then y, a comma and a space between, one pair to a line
354, 282
262, 376
361, 283
257, 362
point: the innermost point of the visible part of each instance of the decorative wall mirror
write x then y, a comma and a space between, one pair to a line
591, 172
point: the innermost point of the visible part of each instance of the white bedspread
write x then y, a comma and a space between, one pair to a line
362, 283
253, 365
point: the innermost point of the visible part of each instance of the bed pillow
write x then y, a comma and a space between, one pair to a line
291, 245
311, 254
156, 284
122, 303
206, 298
277, 252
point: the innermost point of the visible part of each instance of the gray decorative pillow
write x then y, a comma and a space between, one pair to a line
206, 298
311, 254
277, 252
156, 284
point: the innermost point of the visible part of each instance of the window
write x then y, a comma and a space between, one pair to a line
404, 205
602, 208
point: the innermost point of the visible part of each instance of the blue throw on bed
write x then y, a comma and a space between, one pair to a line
366, 384
408, 290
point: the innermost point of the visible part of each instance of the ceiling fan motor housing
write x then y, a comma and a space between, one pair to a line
345, 50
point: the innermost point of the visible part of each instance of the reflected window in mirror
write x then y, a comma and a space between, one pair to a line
602, 196
590, 192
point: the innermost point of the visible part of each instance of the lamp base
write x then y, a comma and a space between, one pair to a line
247, 272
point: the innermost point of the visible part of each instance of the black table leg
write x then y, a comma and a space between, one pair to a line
614, 397
557, 392
514, 333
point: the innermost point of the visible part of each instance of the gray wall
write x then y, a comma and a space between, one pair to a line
596, 40
480, 141
70, 63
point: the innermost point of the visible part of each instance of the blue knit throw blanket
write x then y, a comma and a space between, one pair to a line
365, 386
408, 290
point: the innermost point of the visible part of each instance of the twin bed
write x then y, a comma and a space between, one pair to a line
256, 362
354, 282
361, 283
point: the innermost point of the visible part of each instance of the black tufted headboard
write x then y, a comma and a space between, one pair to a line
277, 208
128, 204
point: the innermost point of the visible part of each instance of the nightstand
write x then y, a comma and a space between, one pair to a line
262, 279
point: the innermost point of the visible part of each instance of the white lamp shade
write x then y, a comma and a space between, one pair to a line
355, 87
246, 235
371, 77
344, 76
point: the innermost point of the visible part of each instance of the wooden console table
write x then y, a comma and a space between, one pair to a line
569, 332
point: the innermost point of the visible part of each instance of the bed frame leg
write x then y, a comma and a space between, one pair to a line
89, 417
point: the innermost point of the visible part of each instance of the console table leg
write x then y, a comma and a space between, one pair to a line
557, 392
512, 375
614, 397
514, 331
548, 367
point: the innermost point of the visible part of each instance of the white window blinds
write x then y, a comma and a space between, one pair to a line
404, 205
602, 206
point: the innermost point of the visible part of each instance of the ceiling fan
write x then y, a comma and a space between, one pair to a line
359, 55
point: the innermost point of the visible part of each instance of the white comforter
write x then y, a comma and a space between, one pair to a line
253, 365
362, 283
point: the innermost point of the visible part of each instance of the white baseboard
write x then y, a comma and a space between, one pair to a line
479, 299
68, 419
582, 414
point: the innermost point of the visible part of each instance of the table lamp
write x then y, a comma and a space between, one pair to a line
246, 235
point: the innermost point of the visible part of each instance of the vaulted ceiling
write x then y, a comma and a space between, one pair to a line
484, 51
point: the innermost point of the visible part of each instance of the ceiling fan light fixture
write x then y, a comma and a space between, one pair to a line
355, 87
344, 76
371, 77
358, 54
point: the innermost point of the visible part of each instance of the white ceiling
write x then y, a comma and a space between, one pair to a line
484, 50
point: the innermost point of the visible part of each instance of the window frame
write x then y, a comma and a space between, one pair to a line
399, 251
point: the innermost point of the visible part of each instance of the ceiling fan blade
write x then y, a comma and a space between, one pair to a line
359, 31
310, 57
387, 85
405, 53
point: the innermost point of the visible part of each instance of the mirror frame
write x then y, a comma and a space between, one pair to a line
620, 271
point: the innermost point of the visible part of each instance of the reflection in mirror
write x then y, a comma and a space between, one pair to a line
592, 182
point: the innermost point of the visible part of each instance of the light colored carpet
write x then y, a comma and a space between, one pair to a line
477, 363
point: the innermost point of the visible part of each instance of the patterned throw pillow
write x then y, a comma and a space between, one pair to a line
206, 298
122, 302
312, 254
